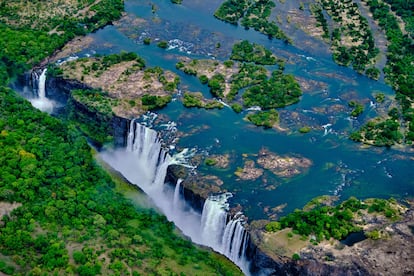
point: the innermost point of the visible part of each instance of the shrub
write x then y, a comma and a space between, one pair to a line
237, 107
304, 129
203, 79
163, 44
210, 162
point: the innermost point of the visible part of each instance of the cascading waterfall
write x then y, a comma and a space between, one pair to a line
213, 220
144, 162
41, 102
177, 196
227, 236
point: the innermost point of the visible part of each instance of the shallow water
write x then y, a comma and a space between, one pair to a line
340, 166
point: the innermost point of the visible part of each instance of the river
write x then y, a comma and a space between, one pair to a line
339, 166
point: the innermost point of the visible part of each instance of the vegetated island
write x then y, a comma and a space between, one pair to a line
348, 28
263, 89
62, 214
345, 27
251, 14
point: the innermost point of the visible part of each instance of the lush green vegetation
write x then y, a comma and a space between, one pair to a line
153, 102
94, 120
278, 91
320, 18
232, 11
357, 108
210, 162
400, 58
404, 9
252, 52
260, 89
323, 221
253, 14
305, 129
71, 219
23, 47
237, 107
102, 63
163, 44
351, 39
266, 119
177, 1
217, 85
197, 100
379, 132
248, 75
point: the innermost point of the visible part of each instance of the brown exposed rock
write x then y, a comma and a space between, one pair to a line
249, 171
221, 161
283, 166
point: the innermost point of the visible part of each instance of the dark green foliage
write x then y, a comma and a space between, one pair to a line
91, 111
266, 119
278, 91
322, 221
68, 199
400, 56
273, 226
203, 79
244, 51
147, 41
210, 162
176, 1
192, 100
318, 13
332, 221
216, 84
359, 55
379, 97
253, 14
196, 100
357, 108
237, 107
231, 10
228, 63
163, 44
372, 73
155, 102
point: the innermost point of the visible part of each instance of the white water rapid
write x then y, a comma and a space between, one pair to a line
144, 162
41, 102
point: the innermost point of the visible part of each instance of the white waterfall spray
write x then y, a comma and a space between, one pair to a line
225, 235
41, 102
145, 163
177, 194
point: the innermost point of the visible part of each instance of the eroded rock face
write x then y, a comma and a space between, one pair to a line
283, 166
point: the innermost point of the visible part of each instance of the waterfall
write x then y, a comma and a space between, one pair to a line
42, 85
176, 199
144, 162
213, 220
228, 237
146, 145
41, 102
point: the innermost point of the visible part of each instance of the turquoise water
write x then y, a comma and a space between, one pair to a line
340, 167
